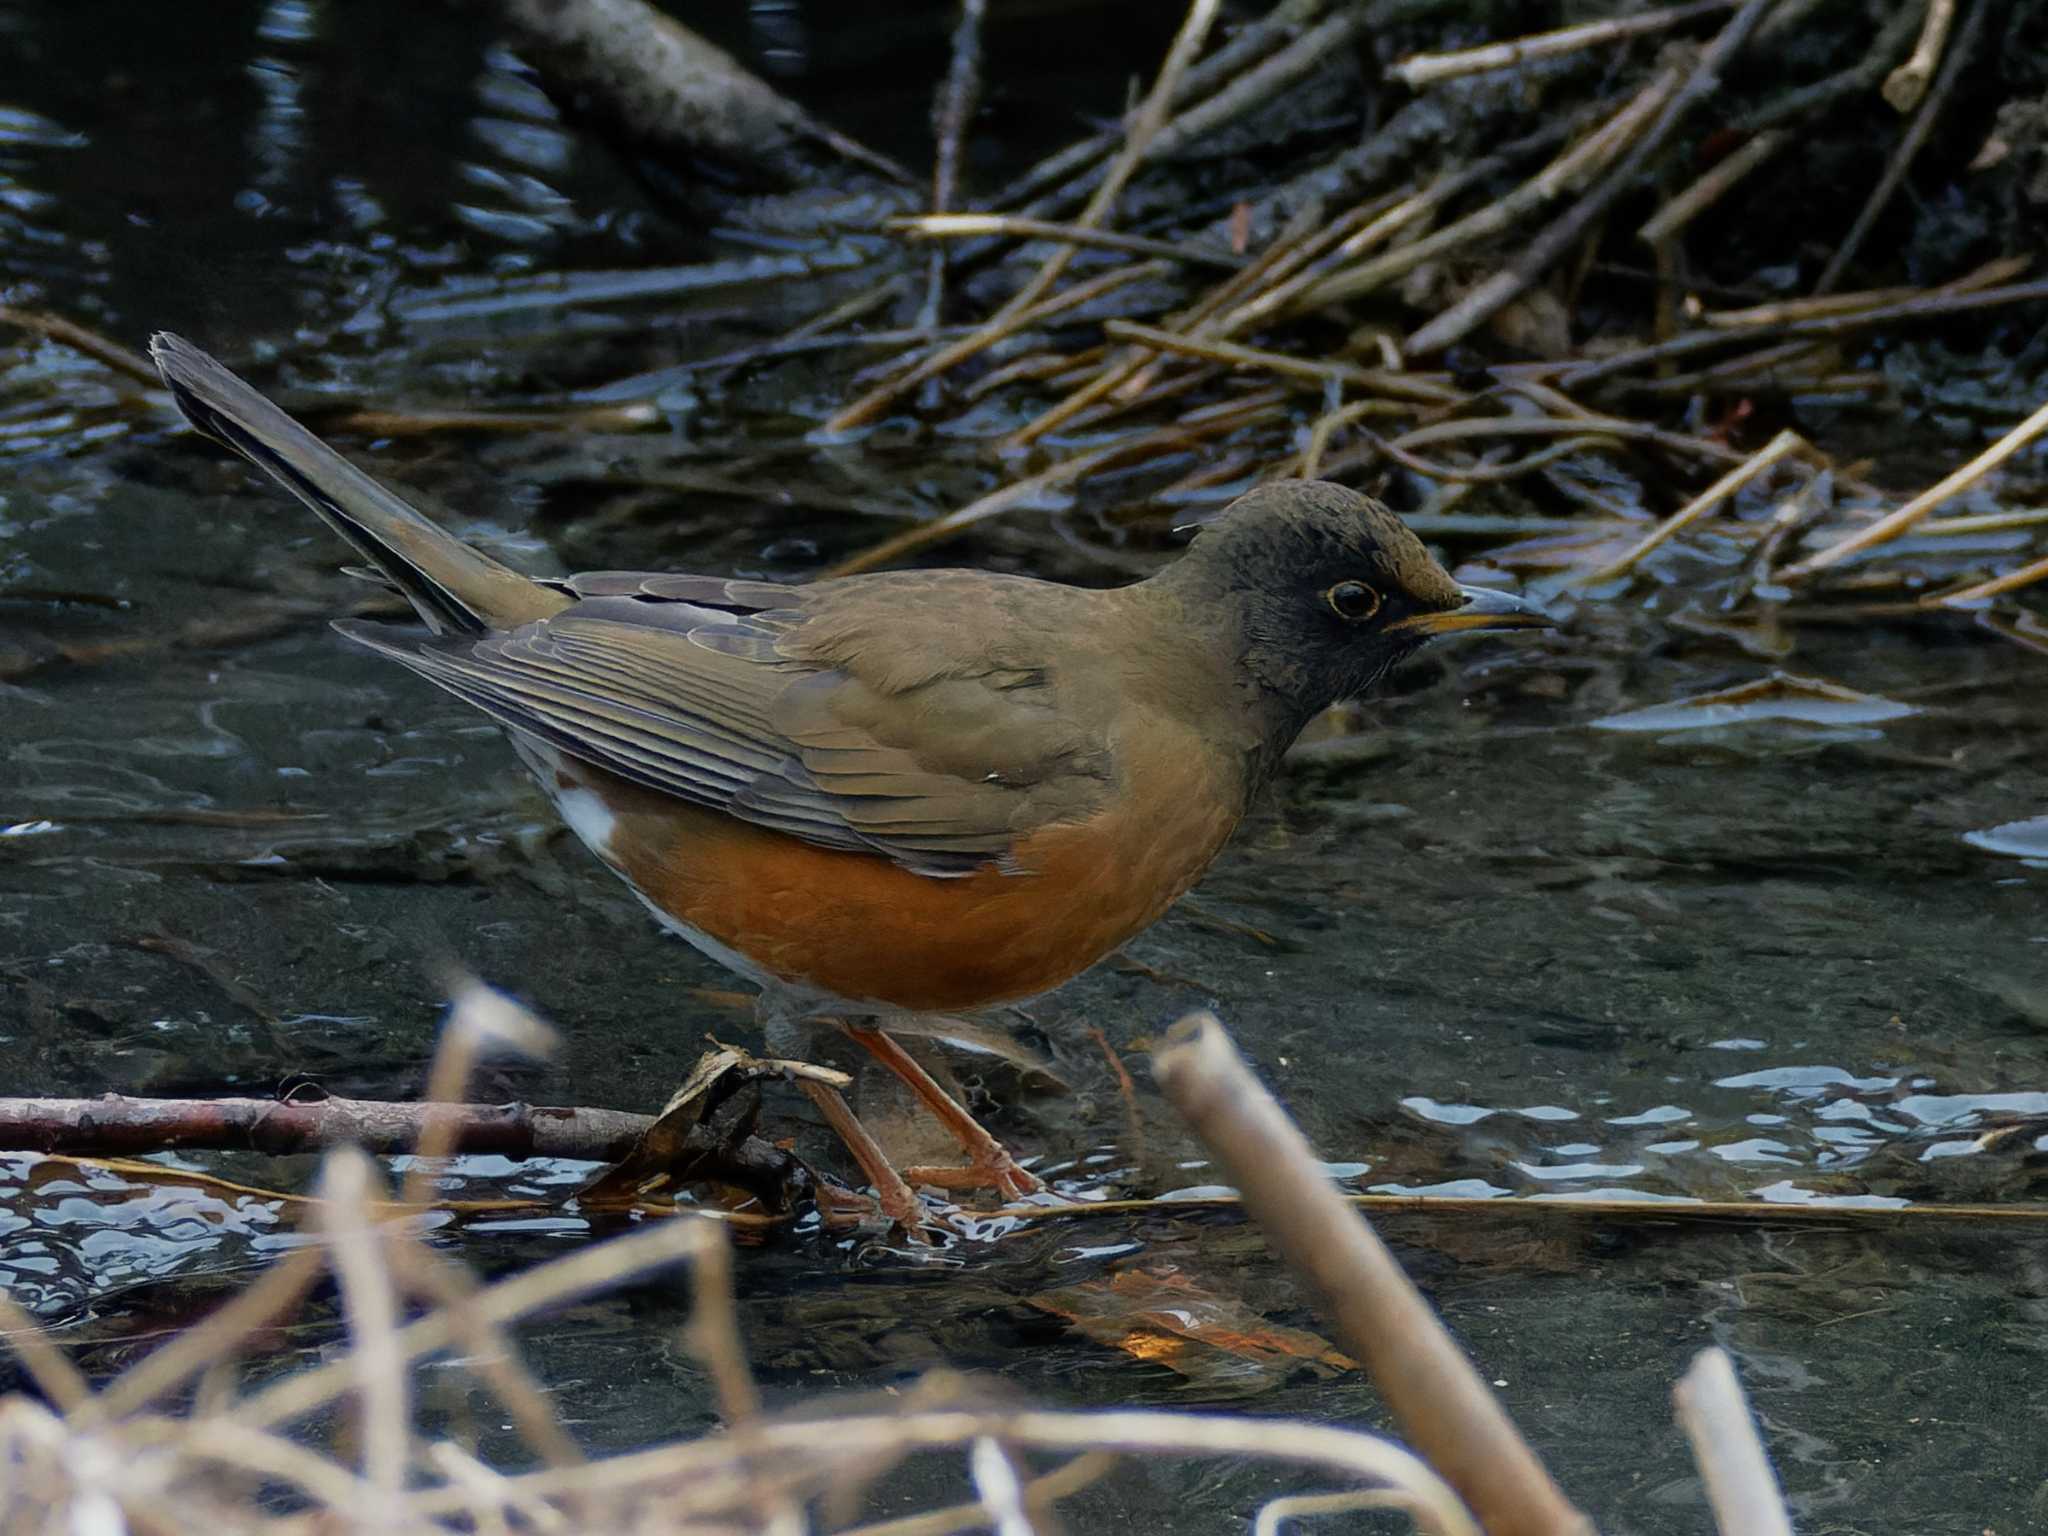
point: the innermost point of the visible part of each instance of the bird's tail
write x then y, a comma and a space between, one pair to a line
455, 587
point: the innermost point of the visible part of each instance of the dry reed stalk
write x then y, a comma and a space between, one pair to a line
1893, 524
957, 226
1997, 586
1741, 1488
1008, 321
1128, 370
1910, 144
1711, 186
369, 1299
1443, 1406
1636, 151
1028, 303
1383, 381
953, 110
1905, 86
1565, 173
1196, 427
1420, 71
1760, 463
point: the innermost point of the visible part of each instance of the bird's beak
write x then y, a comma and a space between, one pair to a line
1483, 608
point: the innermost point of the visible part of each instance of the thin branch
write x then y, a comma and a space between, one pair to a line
959, 226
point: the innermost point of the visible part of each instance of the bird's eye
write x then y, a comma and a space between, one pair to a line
1353, 600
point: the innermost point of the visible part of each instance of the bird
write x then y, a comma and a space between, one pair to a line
899, 793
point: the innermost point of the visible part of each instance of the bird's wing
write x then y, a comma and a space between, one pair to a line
707, 690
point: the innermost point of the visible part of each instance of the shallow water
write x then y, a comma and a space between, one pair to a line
1496, 933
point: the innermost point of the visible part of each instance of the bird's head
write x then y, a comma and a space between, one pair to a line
1329, 590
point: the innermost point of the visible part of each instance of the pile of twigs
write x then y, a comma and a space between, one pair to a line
1552, 272
1223, 353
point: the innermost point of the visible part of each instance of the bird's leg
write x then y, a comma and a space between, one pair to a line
781, 1015
990, 1164
895, 1197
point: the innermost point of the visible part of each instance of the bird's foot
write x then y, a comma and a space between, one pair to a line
989, 1163
894, 1197
993, 1168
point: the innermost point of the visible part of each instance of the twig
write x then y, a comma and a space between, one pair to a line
1183, 433
1924, 307
1423, 70
1383, 381
1808, 102
1569, 170
1027, 303
1006, 322
1569, 426
117, 1125
1904, 86
1564, 232
1442, 1405
1294, 245
1711, 187
75, 336
956, 226
1759, 463
1306, 54
1741, 1488
1910, 144
1891, 526
1229, 62
1997, 586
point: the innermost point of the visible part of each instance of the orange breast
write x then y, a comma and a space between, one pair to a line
863, 929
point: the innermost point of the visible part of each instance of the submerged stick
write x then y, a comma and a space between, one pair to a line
1439, 1400
116, 1125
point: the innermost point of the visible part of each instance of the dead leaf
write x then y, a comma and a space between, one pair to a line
1161, 1315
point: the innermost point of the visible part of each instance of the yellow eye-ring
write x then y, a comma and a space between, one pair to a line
1353, 600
